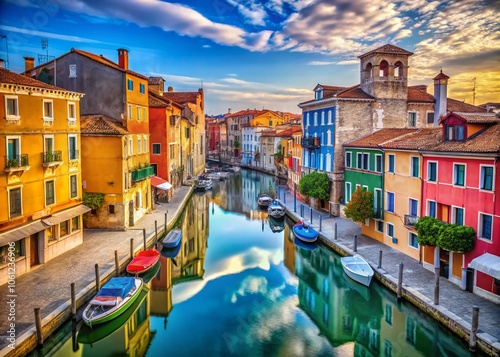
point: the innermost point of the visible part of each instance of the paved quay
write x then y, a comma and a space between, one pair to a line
48, 286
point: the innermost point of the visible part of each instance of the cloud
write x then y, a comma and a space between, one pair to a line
33, 32
206, 46
254, 13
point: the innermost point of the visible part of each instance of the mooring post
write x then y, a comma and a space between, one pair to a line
311, 215
284, 196
131, 248
166, 216
73, 300
301, 210
320, 222
38, 325
436, 286
117, 264
379, 259
400, 281
295, 197
355, 243
97, 278
156, 230
335, 230
473, 330
74, 331
144, 237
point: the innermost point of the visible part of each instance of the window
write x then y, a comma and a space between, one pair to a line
73, 186
363, 161
387, 349
379, 226
129, 112
411, 331
130, 84
430, 117
316, 119
348, 159
347, 192
50, 233
323, 118
130, 146
459, 175
72, 71
75, 223
390, 202
142, 88
72, 152
390, 167
71, 111
412, 119
390, 230
329, 117
378, 163
432, 171
63, 228
49, 193
377, 203
412, 240
48, 113
413, 207
415, 167
138, 113
13, 151
11, 107
6, 251
485, 226
111, 209
318, 94
156, 149
458, 215
431, 208
187, 134
14, 202
486, 178
383, 69
454, 132
139, 145
307, 119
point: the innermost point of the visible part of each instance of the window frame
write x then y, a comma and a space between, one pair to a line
130, 84
348, 159
391, 163
454, 211
428, 208
456, 174
429, 171
46, 195
14, 214
16, 115
72, 154
50, 106
379, 165
71, 112
412, 115
388, 201
414, 160
73, 193
387, 225
480, 227
142, 88
155, 149
482, 177
428, 115
410, 235
348, 192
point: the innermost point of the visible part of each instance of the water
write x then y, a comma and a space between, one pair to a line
240, 286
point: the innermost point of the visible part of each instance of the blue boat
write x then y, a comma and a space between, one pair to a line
304, 232
172, 239
171, 252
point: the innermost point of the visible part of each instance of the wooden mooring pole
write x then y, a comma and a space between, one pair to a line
335, 230
97, 278
355, 248
380, 259
38, 325
131, 248
156, 231
73, 300
117, 264
436, 286
473, 330
144, 237
400, 281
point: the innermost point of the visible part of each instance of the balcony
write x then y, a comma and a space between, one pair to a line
378, 213
142, 174
410, 220
310, 143
52, 158
16, 163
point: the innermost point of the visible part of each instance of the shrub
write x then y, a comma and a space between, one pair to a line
456, 238
360, 207
316, 185
428, 229
93, 200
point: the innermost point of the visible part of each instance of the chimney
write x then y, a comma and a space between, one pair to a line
123, 58
29, 63
170, 88
1, 63
440, 96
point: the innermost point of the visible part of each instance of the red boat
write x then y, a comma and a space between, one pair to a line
143, 261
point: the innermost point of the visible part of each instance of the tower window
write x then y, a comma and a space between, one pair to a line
383, 69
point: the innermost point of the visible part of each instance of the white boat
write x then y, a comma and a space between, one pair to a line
264, 200
357, 269
276, 210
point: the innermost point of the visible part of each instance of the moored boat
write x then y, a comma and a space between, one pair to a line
263, 200
172, 239
276, 210
143, 261
114, 298
304, 232
276, 225
357, 269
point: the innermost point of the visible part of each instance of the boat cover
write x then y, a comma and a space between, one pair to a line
117, 286
488, 264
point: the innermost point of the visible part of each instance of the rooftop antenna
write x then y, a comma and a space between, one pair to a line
46, 57
6, 49
474, 92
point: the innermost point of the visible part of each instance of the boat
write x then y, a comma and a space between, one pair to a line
263, 200
276, 225
116, 296
203, 184
171, 252
357, 269
276, 210
92, 334
172, 239
305, 233
143, 261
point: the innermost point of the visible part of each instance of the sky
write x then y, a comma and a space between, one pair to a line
265, 54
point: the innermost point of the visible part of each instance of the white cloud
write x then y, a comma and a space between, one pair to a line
33, 32
253, 12
206, 46
321, 63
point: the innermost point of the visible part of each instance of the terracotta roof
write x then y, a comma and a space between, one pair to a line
379, 137
270, 133
354, 92
102, 125
388, 48
421, 139
484, 141
419, 96
441, 75
462, 107
486, 118
155, 80
182, 97
7, 76
157, 101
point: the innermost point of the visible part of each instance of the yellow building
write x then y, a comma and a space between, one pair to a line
267, 118
40, 176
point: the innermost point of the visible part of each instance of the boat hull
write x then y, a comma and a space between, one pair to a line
357, 269
143, 261
276, 210
172, 239
305, 234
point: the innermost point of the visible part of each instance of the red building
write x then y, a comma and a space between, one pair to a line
213, 134
461, 175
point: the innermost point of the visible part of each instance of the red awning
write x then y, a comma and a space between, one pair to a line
160, 183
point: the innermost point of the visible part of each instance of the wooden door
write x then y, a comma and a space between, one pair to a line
34, 250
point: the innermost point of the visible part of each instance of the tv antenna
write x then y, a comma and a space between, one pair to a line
474, 91
46, 57
6, 49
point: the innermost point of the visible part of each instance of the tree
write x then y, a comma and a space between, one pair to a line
316, 185
428, 229
360, 207
456, 238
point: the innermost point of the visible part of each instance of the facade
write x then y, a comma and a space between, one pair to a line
269, 145
295, 154
40, 174
251, 154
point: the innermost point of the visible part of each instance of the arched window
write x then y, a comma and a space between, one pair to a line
307, 119
316, 119
323, 117
329, 117
398, 69
383, 69
369, 71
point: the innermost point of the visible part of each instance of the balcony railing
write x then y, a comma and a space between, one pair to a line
52, 158
16, 163
141, 174
378, 213
310, 142
410, 220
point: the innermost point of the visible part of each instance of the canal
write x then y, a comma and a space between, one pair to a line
241, 286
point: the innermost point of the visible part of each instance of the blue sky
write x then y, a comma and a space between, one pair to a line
255, 54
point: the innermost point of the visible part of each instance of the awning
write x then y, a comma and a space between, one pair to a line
65, 215
18, 233
160, 183
488, 264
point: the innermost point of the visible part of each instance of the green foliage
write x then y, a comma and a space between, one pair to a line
360, 207
456, 238
93, 200
316, 185
428, 229
237, 144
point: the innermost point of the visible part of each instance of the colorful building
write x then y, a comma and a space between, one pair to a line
40, 175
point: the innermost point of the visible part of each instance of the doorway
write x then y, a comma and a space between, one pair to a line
34, 250
131, 213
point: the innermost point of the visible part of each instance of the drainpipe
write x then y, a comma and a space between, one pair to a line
420, 248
